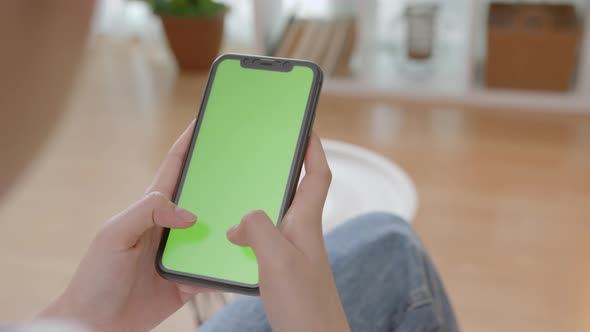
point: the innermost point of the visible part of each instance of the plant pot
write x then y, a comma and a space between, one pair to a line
194, 40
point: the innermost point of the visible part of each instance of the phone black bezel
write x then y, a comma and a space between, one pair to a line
294, 173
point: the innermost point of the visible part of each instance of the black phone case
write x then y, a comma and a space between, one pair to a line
260, 63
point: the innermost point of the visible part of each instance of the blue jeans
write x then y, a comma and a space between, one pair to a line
385, 279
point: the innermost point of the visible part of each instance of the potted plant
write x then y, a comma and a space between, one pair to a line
194, 29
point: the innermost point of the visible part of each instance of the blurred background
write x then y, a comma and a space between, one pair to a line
484, 104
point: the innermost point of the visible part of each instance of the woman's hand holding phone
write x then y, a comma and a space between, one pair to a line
116, 286
296, 283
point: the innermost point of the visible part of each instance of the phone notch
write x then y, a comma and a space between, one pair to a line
267, 64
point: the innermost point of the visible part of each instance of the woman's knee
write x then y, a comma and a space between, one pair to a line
377, 229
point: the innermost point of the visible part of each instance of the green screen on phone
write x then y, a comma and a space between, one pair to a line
241, 161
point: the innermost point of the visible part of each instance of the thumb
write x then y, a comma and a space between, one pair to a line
126, 228
257, 231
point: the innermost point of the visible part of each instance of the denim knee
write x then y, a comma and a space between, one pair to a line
377, 227
380, 263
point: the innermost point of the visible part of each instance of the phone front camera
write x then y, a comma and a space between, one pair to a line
287, 66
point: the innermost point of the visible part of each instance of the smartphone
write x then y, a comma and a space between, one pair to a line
246, 153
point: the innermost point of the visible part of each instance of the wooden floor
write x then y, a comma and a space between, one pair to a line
504, 196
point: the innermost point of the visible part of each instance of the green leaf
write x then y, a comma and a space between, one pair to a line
186, 7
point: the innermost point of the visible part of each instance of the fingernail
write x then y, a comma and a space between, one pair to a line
184, 215
232, 230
